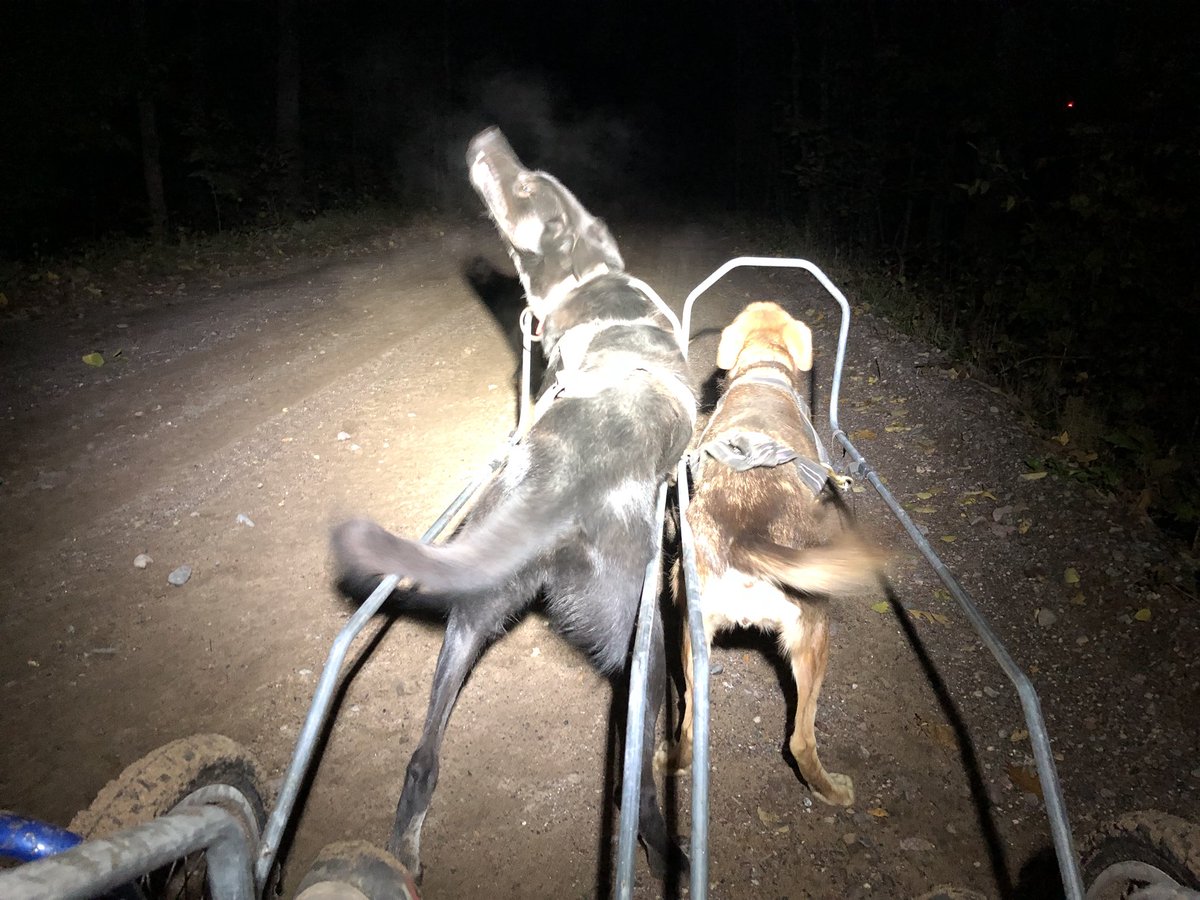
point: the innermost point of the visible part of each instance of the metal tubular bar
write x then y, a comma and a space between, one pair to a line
631, 777
1060, 829
318, 712
98, 866
700, 685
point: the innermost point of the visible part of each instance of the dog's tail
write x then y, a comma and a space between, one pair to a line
479, 558
842, 568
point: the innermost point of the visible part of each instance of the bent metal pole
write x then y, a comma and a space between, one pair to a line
1056, 813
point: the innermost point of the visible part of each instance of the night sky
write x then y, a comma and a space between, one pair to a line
717, 104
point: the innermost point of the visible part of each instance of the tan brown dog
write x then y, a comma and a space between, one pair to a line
766, 523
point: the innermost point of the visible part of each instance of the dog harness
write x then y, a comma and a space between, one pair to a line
744, 450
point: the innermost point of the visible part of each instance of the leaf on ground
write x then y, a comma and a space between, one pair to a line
1024, 525
1071, 576
877, 812
1143, 614
949, 538
94, 359
1063, 439
1019, 735
895, 427
941, 594
924, 495
881, 607
922, 616
1034, 476
985, 494
769, 819
863, 434
1078, 599
1025, 780
939, 733
924, 509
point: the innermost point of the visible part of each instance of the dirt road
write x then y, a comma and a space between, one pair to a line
377, 385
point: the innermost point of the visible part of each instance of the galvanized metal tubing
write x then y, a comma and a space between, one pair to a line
1060, 829
635, 719
98, 866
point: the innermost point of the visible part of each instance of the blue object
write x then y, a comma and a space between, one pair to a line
30, 839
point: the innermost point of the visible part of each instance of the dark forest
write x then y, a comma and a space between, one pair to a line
1017, 182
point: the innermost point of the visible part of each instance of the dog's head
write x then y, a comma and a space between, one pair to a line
764, 332
554, 242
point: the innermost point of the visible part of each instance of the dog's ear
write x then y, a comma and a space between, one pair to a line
595, 247
733, 339
798, 338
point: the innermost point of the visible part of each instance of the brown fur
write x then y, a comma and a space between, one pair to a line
769, 553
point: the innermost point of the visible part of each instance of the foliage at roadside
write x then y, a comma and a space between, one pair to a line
1035, 216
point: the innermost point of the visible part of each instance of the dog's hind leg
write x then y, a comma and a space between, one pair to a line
808, 645
662, 853
469, 630
676, 758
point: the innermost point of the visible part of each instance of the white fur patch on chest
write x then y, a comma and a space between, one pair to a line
741, 600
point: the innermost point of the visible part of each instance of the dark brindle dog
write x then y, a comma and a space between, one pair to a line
572, 513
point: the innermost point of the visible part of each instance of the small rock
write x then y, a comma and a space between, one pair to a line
716, 669
180, 576
849, 838
1046, 618
991, 692
142, 560
343, 436
916, 845
243, 519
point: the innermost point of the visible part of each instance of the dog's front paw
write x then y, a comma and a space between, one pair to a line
841, 793
674, 862
408, 852
672, 759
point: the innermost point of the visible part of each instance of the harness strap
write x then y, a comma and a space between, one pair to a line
592, 382
744, 450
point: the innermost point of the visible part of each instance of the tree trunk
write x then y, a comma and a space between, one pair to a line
287, 105
148, 128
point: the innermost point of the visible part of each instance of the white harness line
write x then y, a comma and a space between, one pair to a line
574, 381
